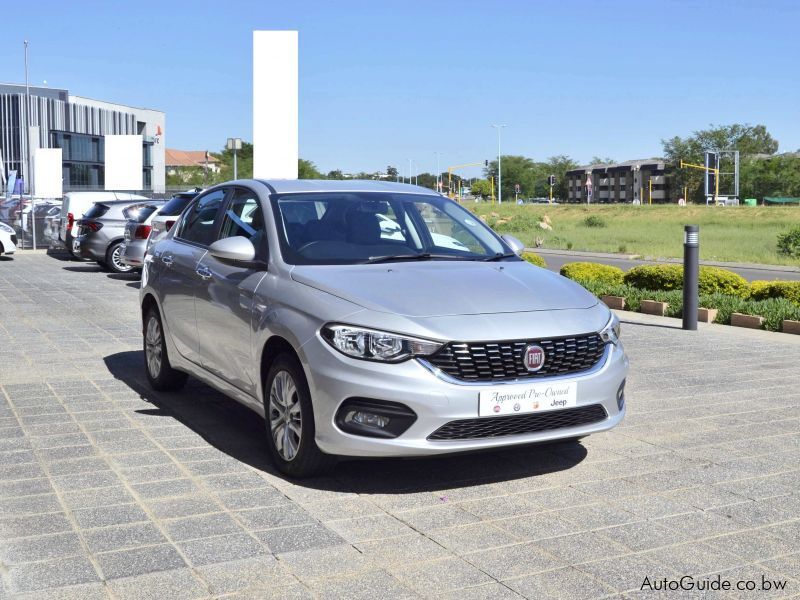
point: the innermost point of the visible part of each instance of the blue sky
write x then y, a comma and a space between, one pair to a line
382, 82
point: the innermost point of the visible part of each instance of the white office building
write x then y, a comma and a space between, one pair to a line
78, 126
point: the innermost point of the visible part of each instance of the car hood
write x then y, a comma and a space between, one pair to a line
440, 288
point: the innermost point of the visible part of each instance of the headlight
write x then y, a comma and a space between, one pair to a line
610, 333
6, 228
369, 344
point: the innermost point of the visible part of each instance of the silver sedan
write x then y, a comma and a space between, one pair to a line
366, 318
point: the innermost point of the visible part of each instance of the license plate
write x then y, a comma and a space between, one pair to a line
127, 236
76, 245
528, 398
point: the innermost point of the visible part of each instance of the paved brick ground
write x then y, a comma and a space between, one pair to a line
110, 490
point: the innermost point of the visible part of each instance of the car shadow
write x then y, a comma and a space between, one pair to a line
239, 432
87, 268
62, 255
6, 258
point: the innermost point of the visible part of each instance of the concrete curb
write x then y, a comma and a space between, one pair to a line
710, 263
634, 318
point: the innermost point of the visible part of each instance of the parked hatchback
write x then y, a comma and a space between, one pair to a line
166, 216
74, 207
136, 234
102, 229
296, 299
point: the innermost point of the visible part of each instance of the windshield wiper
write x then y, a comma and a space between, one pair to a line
499, 256
420, 256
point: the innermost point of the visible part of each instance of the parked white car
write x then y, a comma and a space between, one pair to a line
74, 206
8, 239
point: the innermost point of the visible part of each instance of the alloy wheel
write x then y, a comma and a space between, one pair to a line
116, 257
152, 340
285, 417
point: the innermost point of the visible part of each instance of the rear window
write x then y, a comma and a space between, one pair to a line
144, 212
175, 206
97, 210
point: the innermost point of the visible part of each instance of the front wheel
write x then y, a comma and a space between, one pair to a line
289, 418
160, 374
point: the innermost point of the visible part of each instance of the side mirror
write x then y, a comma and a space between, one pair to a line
513, 243
233, 248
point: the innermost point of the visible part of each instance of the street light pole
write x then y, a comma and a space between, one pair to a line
499, 165
438, 173
234, 144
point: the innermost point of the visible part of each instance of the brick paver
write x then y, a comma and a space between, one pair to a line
108, 490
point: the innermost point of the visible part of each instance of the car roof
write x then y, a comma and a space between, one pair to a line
299, 186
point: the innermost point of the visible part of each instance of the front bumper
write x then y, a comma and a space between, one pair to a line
333, 378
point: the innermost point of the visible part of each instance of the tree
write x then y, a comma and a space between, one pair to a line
335, 174
558, 166
597, 160
392, 173
747, 139
482, 188
307, 170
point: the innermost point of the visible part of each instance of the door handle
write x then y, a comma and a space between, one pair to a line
167, 260
203, 271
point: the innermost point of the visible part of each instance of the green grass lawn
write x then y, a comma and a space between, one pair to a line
737, 234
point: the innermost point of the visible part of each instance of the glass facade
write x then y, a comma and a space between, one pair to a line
83, 160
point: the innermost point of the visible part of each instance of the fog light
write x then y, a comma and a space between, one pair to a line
621, 395
374, 418
367, 419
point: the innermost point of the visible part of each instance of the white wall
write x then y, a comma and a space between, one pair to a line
275, 94
47, 177
123, 162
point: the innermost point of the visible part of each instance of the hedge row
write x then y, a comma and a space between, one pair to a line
774, 310
669, 277
534, 259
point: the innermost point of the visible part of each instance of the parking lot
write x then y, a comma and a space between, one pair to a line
110, 490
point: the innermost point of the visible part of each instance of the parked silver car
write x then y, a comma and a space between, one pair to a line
102, 228
294, 298
137, 233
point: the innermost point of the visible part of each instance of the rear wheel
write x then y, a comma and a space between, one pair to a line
290, 420
114, 259
160, 374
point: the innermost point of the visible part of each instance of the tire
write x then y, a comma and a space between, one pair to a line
160, 374
113, 262
286, 397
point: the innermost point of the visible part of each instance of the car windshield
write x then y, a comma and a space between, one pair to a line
361, 227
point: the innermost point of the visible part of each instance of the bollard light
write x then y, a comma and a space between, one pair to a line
691, 273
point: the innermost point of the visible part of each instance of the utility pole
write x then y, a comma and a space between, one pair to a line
29, 170
234, 144
499, 165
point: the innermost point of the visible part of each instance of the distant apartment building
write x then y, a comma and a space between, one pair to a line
645, 180
185, 161
78, 126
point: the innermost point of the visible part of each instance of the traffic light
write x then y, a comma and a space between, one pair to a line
486, 162
551, 180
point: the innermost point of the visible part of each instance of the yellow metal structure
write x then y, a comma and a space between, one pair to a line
450, 176
492, 180
705, 168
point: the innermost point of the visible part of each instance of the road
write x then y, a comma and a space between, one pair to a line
749, 272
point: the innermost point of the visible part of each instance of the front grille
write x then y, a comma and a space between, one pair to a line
492, 427
503, 361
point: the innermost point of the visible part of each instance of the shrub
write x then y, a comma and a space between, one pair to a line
655, 277
670, 277
713, 280
594, 221
763, 290
584, 272
789, 242
534, 259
